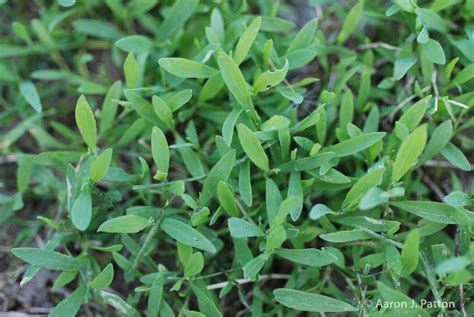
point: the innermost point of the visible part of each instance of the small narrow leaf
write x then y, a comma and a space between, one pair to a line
227, 199
220, 172
456, 157
410, 251
252, 147
436, 212
269, 79
433, 50
160, 152
125, 224
71, 304
402, 66
246, 40
81, 211
235, 81
253, 267
29, 92
155, 297
130, 69
187, 235
85, 121
186, 68
134, 43
305, 301
409, 152
48, 259
104, 279
351, 21
195, 265
355, 144
100, 165
309, 257
240, 228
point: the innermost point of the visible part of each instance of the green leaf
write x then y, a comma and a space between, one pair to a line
100, 165
195, 265
372, 198
423, 36
130, 69
160, 152
456, 157
220, 172
406, 5
86, 122
286, 207
410, 251
346, 113
187, 235
227, 199
104, 278
402, 66
240, 228
186, 68
163, 111
272, 199
109, 106
81, 211
452, 265
229, 125
253, 267
319, 210
358, 190
463, 76
413, 116
206, 303
351, 21
29, 92
307, 163
134, 43
269, 79
355, 144
276, 237
245, 185
252, 147
391, 296
409, 152
125, 224
434, 211
457, 199
155, 297
304, 37
117, 303
235, 82
438, 140
305, 301
97, 28
433, 50
71, 304
246, 40
310, 257
345, 236
177, 16
297, 59
48, 259
401, 131
431, 19
64, 278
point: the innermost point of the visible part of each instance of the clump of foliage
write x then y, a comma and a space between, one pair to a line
211, 158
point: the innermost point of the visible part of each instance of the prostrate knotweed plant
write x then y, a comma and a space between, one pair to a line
210, 158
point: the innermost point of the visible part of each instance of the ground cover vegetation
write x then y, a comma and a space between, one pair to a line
247, 158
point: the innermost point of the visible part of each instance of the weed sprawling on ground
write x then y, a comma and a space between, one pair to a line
237, 158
